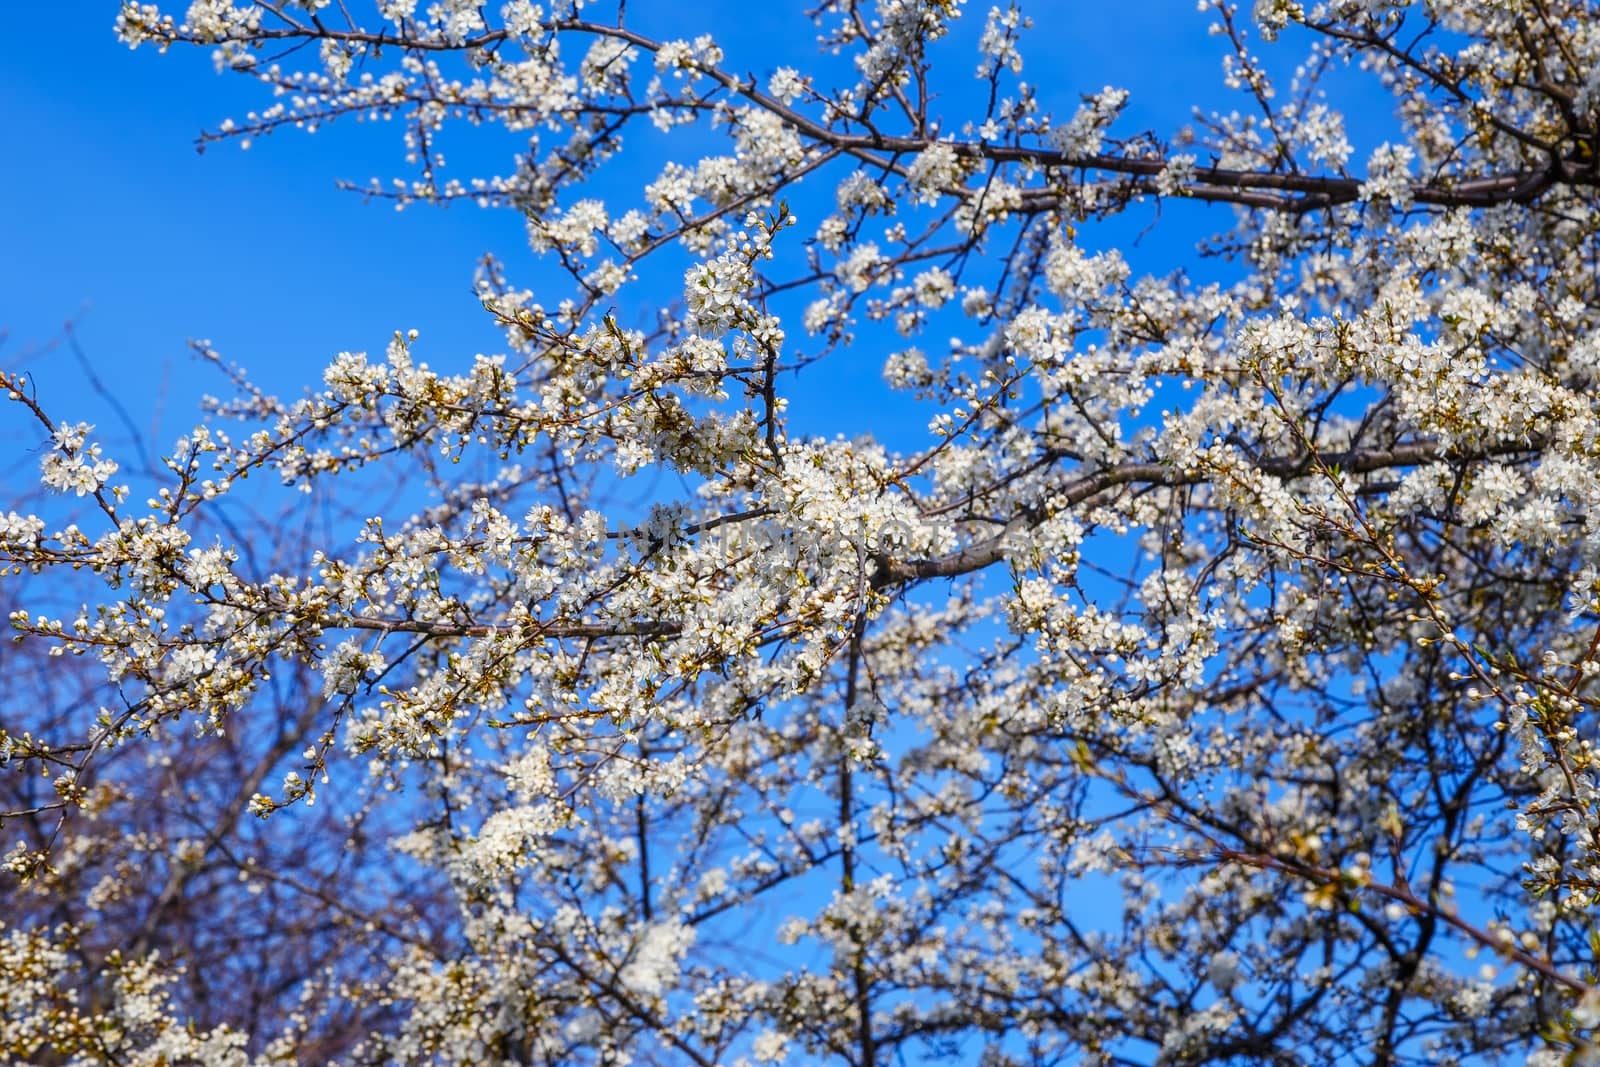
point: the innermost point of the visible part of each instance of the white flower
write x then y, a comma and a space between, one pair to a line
457, 19
999, 41
859, 270
521, 17
714, 293
605, 67
1082, 135
935, 287
209, 566
787, 85
935, 172
73, 464
1177, 174
347, 666
656, 958
216, 20
770, 1047
397, 10
1389, 175
1225, 971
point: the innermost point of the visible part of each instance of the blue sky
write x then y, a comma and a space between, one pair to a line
114, 220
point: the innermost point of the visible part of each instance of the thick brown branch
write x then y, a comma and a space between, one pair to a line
1271, 190
991, 550
552, 631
